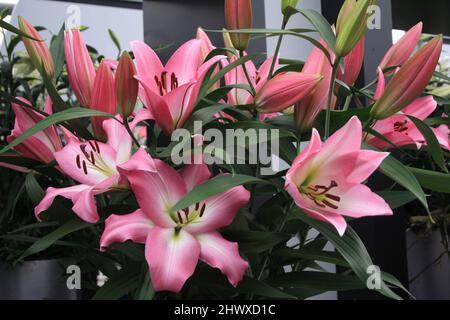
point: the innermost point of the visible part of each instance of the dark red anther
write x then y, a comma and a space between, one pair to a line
85, 167
92, 158
97, 146
180, 219
202, 211
78, 161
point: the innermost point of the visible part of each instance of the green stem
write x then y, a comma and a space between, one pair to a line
348, 100
249, 80
127, 127
330, 97
287, 209
278, 47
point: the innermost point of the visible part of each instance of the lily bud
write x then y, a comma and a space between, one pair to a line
126, 86
285, 90
410, 81
80, 68
351, 25
37, 50
238, 15
286, 4
353, 63
104, 97
399, 53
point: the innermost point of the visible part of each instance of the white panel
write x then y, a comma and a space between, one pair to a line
295, 48
126, 23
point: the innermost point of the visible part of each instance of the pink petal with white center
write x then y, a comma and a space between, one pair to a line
185, 62
172, 257
73, 161
167, 188
222, 254
220, 210
121, 228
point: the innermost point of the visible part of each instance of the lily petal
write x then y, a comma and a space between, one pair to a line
148, 63
172, 257
134, 226
222, 254
118, 139
220, 210
82, 196
185, 62
194, 175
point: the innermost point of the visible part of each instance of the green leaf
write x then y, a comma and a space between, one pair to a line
320, 281
397, 199
34, 190
351, 248
311, 254
434, 181
322, 26
57, 51
259, 288
434, 148
399, 173
69, 114
11, 28
214, 186
47, 241
219, 75
256, 241
115, 40
146, 291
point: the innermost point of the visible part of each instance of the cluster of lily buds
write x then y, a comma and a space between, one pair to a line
409, 82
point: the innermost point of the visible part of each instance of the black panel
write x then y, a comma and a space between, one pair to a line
434, 14
176, 21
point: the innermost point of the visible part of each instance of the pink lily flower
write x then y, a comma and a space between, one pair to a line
80, 68
325, 180
43, 144
401, 131
307, 110
94, 165
399, 53
176, 241
171, 92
